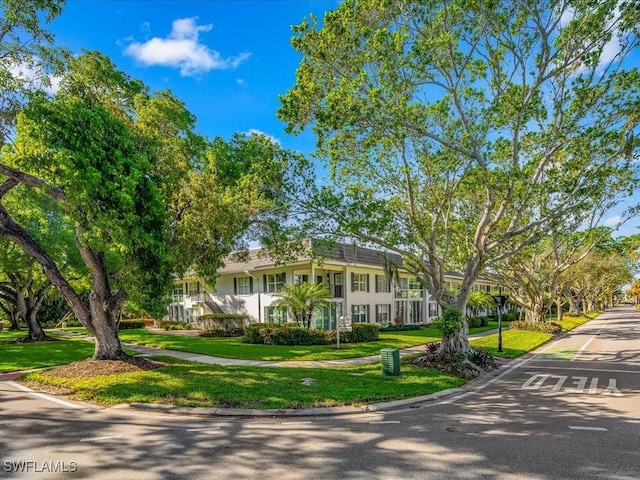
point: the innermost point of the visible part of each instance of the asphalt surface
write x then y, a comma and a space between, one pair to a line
570, 410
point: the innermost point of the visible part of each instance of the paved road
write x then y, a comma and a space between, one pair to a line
570, 411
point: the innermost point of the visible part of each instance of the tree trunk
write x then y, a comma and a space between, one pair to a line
36, 333
105, 330
101, 316
574, 306
14, 319
29, 305
559, 305
535, 313
458, 342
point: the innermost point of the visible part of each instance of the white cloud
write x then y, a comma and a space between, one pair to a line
612, 47
254, 131
33, 77
613, 221
182, 49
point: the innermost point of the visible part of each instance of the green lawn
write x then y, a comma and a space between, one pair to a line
518, 342
569, 323
25, 356
514, 342
235, 348
199, 385
191, 384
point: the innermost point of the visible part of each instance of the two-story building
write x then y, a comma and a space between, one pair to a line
355, 276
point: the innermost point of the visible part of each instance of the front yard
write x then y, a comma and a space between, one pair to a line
184, 383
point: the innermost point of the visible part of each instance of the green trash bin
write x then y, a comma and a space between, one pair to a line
390, 360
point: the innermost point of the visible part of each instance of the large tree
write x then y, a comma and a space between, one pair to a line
534, 278
28, 57
459, 132
145, 194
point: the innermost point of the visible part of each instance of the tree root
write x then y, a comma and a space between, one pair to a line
460, 364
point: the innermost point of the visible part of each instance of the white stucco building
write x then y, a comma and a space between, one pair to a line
355, 276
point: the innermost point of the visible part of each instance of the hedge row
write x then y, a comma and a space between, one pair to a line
130, 324
401, 328
292, 334
223, 325
545, 327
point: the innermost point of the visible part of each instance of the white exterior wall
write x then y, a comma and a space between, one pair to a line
255, 304
370, 298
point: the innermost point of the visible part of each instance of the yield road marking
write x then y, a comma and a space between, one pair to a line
577, 384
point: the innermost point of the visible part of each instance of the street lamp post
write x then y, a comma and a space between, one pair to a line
501, 301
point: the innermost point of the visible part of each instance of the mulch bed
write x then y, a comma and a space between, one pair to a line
95, 368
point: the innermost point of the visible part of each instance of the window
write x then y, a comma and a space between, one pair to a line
402, 288
176, 313
382, 284
415, 289
359, 282
243, 285
383, 314
273, 282
276, 315
193, 288
337, 285
177, 296
433, 309
359, 313
299, 279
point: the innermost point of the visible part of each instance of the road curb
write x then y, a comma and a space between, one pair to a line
293, 412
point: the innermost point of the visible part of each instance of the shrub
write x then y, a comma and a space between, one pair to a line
363, 332
475, 322
510, 316
449, 323
222, 325
292, 334
483, 359
401, 328
465, 365
130, 324
171, 325
283, 334
544, 327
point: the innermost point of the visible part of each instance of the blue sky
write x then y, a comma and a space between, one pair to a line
228, 60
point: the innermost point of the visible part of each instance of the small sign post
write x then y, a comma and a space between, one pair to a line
344, 325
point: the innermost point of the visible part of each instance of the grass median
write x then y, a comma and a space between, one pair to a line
519, 342
191, 384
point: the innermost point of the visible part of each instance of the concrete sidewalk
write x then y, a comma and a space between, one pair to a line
212, 360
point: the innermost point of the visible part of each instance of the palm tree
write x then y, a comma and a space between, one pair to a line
303, 299
479, 298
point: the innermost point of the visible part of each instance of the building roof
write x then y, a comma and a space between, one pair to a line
311, 250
